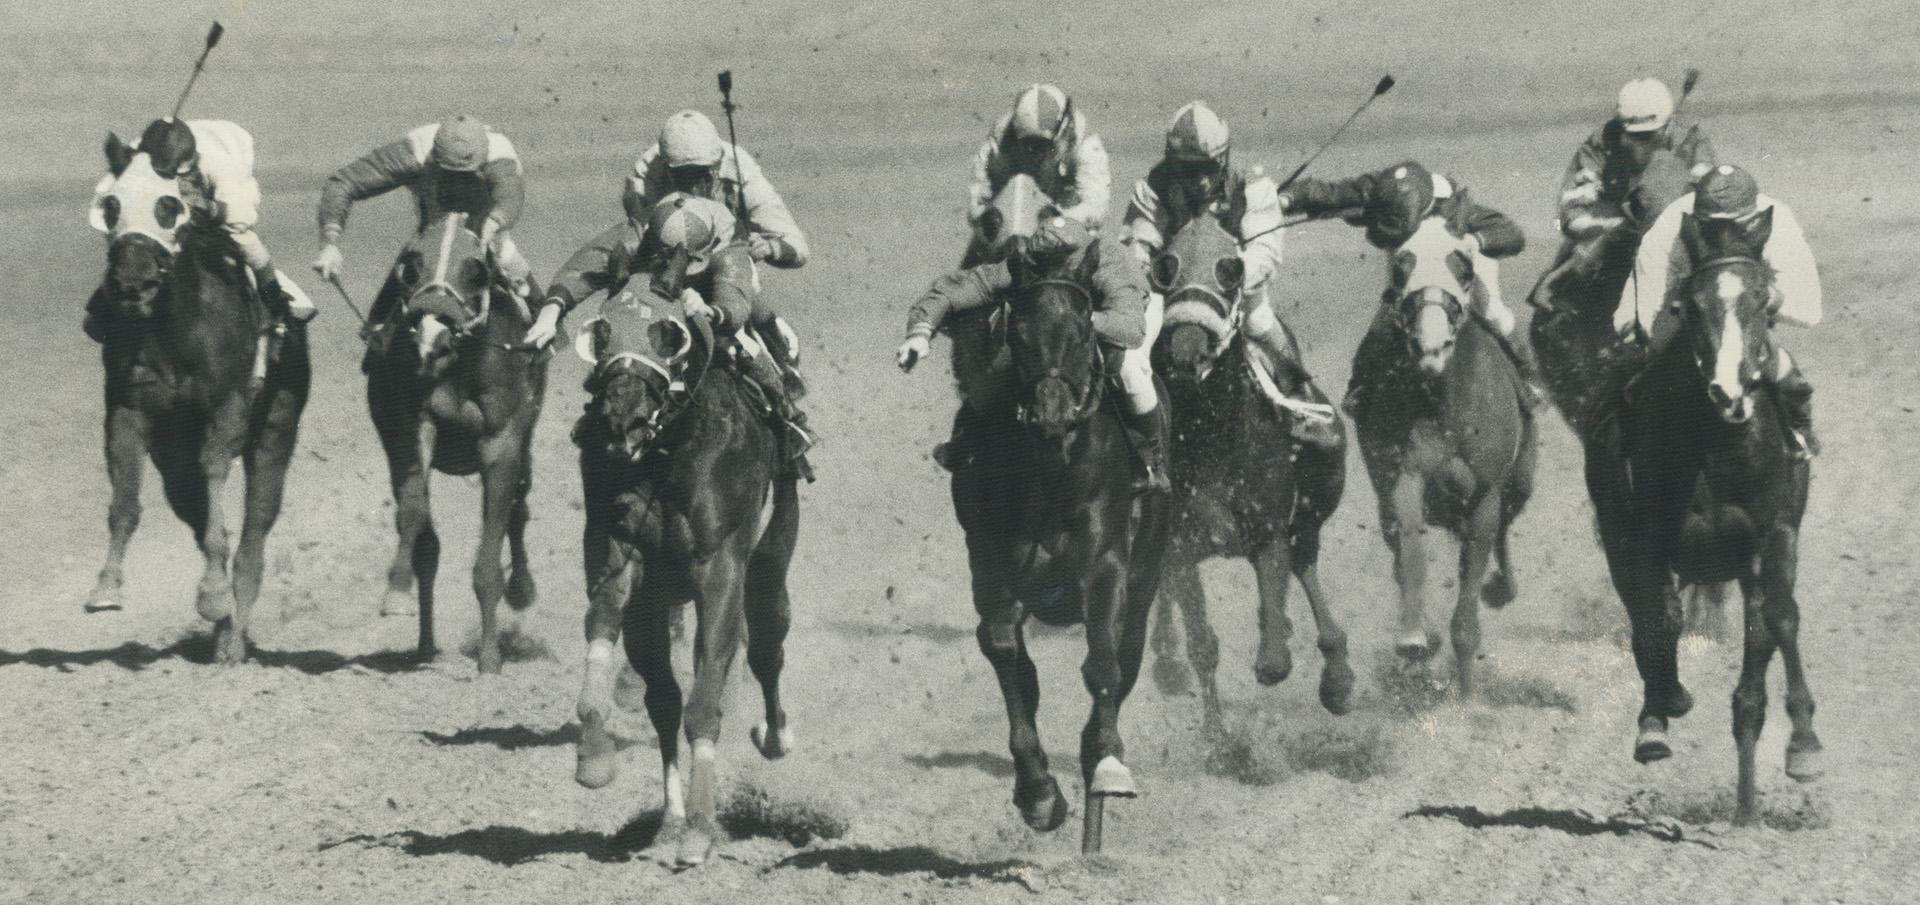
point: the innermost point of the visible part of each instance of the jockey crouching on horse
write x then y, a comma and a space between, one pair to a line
1195, 179
1120, 318
1645, 313
1391, 204
1045, 139
213, 162
456, 166
1597, 193
691, 248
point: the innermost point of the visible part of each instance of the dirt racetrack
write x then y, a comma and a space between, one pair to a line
332, 769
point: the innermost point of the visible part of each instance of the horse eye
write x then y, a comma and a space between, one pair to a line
1165, 270
167, 211
408, 271
110, 209
1228, 272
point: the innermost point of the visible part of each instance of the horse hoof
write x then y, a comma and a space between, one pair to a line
521, 594
1417, 646
490, 660
695, 846
1336, 688
1804, 764
214, 605
596, 765
1651, 745
1499, 590
1273, 669
102, 603
775, 745
399, 603
1172, 677
1112, 779
1041, 804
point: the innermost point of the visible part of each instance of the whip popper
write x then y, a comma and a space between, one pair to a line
199, 66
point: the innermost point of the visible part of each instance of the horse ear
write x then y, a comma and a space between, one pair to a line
1758, 229
1690, 238
118, 154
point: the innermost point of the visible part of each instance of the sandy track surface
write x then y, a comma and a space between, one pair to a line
334, 768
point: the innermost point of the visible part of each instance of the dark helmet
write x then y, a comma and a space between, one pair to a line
1726, 192
1405, 197
170, 145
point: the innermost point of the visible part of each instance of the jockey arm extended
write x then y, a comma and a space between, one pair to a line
1119, 296
397, 164
602, 264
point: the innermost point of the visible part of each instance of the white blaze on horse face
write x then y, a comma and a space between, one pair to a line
1733, 345
1435, 335
1430, 246
429, 330
137, 192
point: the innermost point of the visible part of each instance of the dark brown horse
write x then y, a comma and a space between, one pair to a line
1242, 487
1054, 529
1689, 470
681, 471
461, 397
191, 383
1572, 327
1447, 439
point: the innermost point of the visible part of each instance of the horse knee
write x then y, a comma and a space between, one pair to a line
1749, 708
999, 641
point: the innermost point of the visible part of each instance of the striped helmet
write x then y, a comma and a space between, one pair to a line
1040, 111
460, 144
1197, 134
690, 222
1645, 105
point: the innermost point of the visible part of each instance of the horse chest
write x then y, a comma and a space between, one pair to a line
448, 405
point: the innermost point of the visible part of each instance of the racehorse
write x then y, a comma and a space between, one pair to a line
1054, 529
195, 378
1572, 327
1446, 436
1242, 487
685, 499
461, 398
1689, 470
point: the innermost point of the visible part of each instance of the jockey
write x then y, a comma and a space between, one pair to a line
1660, 277
1391, 204
1121, 319
1046, 138
691, 158
213, 161
1195, 177
459, 165
691, 247
1595, 193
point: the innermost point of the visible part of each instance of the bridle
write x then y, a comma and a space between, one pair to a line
1089, 394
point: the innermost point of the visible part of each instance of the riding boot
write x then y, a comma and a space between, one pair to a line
1150, 453
1796, 402
796, 439
1274, 351
955, 453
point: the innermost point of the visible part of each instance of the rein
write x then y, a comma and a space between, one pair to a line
1090, 395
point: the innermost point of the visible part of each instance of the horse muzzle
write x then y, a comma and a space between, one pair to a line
1735, 406
1053, 408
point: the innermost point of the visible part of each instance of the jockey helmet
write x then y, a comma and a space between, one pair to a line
1197, 134
690, 140
170, 145
1040, 111
1726, 192
1645, 105
459, 145
1407, 196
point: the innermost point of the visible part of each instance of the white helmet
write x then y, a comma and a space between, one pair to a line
1196, 133
689, 140
1645, 105
1040, 111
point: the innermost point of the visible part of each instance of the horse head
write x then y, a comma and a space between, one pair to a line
647, 356
1054, 349
141, 211
1430, 275
1200, 273
448, 281
1728, 307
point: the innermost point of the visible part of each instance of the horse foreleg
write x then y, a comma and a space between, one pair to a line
1035, 792
1476, 545
1336, 676
649, 645
126, 441
1641, 577
1170, 673
1102, 753
1750, 695
1404, 523
769, 615
612, 573
1782, 612
409, 470
267, 458
719, 585
1181, 588
521, 592
1272, 570
500, 489
226, 440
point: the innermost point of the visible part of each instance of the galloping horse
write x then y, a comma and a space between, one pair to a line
681, 471
462, 398
1446, 436
1572, 327
1691, 476
191, 381
1054, 529
1242, 487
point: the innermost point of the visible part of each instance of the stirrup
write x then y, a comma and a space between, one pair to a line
1308, 411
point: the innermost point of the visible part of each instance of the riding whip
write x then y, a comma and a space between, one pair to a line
199, 66
726, 105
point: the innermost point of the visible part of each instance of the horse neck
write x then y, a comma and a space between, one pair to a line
205, 290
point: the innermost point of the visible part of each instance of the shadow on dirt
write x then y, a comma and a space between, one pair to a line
198, 649
511, 845
1573, 823
996, 765
894, 862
